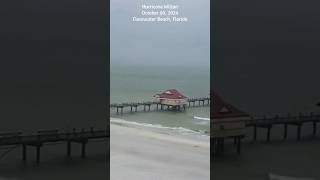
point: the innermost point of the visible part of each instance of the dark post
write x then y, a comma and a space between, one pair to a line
285, 131
219, 142
238, 144
314, 128
268, 133
69, 149
83, 151
91, 129
24, 152
38, 153
299, 132
255, 132
74, 131
222, 144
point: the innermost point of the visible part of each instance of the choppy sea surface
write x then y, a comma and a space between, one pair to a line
140, 83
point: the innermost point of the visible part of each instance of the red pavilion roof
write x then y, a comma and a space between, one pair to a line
222, 109
171, 94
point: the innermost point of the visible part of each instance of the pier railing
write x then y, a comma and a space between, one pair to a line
277, 119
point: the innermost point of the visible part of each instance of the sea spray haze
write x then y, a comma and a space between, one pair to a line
169, 44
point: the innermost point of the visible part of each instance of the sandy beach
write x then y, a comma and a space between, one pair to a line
145, 155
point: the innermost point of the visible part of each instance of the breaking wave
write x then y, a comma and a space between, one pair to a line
201, 118
180, 130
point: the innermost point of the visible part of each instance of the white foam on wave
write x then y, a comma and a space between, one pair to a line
278, 177
201, 118
180, 130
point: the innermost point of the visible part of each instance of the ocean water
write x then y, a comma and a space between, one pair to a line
139, 83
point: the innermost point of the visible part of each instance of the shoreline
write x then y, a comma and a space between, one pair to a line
143, 154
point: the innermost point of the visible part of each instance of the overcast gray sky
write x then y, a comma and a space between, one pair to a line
160, 43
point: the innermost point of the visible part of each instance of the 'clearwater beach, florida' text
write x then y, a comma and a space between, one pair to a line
159, 13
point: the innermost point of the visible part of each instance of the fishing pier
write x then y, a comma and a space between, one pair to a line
266, 124
122, 108
43, 137
284, 121
228, 122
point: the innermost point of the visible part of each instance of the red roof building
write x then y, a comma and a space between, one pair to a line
171, 94
172, 97
227, 117
224, 110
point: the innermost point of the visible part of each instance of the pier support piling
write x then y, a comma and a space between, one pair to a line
83, 150
314, 132
254, 132
24, 152
68, 148
268, 133
238, 142
38, 153
299, 132
285, 131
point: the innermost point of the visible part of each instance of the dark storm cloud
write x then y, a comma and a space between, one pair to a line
165, 43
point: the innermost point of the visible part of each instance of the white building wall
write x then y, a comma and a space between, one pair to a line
173, 102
